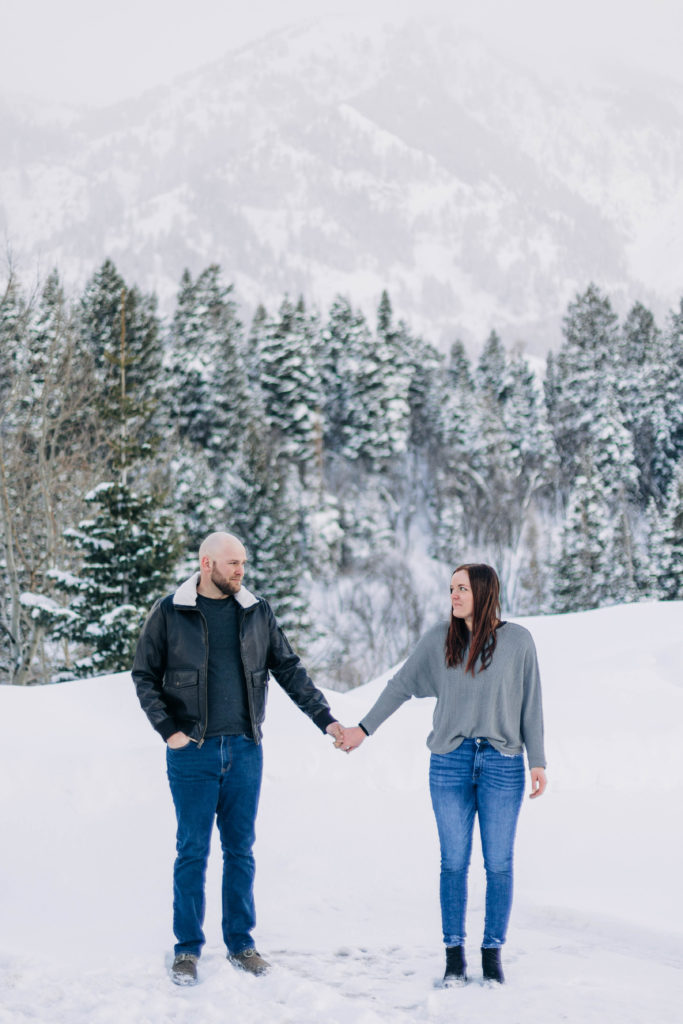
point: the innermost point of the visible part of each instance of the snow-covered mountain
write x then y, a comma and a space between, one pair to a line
347, 856
347, 156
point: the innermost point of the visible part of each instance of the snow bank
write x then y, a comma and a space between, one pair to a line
347, 855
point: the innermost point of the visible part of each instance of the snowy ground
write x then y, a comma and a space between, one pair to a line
347, 856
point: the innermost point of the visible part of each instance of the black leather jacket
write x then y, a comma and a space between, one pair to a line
171, 660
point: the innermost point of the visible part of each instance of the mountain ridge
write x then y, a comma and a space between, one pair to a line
333, 157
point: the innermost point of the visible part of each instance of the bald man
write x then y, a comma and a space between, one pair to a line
201, 674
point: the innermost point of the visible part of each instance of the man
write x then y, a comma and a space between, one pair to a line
201, 672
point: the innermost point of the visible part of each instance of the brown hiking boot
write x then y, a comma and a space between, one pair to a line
249, 960
184, 969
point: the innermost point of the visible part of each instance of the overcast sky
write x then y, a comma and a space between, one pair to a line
88, 51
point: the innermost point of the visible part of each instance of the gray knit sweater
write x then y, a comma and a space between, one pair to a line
502, 703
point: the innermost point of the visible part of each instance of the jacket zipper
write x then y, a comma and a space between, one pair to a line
200, 741
250, 696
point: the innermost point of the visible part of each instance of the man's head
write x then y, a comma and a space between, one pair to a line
222, 559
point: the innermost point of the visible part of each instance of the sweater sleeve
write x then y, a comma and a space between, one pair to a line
532, 710
413, 679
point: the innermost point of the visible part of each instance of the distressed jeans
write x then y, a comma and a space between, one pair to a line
219, 781
475, 779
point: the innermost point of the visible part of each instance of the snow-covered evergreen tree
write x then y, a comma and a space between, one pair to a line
115, 560
396, 347
491, 374
119, 326
525, 418
455, 485
643, 382
378, 427
583, 571
129, 549
206, 374
424, 397
265, 516
611, 447
665, 543
341, 341
290, 382
49, 456
671, 383
579, 374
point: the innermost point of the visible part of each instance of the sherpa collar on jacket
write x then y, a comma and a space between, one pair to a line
186, 594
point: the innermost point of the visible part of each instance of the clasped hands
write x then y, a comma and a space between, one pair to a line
346, 738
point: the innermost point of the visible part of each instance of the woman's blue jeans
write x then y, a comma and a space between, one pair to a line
219, 781
476, 779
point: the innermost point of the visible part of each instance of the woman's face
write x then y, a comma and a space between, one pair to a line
461, 596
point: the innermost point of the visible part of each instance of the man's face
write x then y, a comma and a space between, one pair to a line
227, 570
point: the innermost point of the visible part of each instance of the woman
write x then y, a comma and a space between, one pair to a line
484, 675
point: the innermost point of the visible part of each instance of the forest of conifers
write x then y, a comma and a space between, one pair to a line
358, 464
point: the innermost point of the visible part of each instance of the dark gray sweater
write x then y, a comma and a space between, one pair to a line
502, 703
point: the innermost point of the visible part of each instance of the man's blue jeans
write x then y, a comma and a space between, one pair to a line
476, 779
221, 781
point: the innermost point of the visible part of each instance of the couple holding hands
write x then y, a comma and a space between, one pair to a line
201, 671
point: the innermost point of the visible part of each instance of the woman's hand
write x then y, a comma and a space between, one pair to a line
538, 782
353, 737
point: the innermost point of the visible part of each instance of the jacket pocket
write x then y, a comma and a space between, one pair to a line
181, 692
259, 691
181, 677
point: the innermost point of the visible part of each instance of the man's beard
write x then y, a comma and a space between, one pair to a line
226, 586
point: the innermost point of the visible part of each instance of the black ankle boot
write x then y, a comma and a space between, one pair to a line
455, 966
491, 966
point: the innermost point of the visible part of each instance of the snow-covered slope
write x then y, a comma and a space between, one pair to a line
346, 156
347, 856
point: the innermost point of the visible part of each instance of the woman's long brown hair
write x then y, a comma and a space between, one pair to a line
485, 617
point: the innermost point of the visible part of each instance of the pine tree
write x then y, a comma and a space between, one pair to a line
255, 341
206, 373
579, 373
119, 326
49, 456
340, 344
611, 447
14, 312
643, 381
291, 384
582, 574
665, 543
378, 427
458, 373
264, 516
129, 550
492, 370
13, 349
670, 385
528, 430
627, 571
456, 486
424, 396
396, 353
